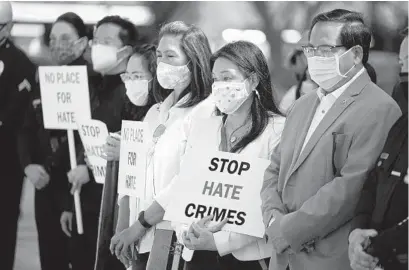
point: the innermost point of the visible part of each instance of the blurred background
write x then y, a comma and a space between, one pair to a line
275, 27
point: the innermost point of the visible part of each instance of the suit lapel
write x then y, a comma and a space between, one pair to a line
346, 99
305, 125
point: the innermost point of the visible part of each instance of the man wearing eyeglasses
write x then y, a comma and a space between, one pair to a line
17, 77
331, 140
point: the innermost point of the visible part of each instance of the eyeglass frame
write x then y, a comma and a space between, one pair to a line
3, 25
315, 49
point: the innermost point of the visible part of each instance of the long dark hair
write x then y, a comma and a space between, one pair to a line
250, 60
195, 45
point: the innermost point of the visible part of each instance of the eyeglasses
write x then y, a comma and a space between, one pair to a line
127, 76
323, 50
3, 25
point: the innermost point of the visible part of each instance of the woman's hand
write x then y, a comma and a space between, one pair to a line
78, 177
200, 235
112, 147
121, 243
66, 222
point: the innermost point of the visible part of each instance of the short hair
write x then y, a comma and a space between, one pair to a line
354, 31
196, 46
128, 34
75, 21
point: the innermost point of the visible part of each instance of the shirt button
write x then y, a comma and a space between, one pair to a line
323, 111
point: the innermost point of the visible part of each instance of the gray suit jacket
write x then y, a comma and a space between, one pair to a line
318, 189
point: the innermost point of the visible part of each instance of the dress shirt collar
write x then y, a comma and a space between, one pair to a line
337, 93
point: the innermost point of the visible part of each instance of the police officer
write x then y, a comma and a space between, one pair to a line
17, 75
380, 228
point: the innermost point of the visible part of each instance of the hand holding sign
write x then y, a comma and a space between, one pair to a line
112, 147
78, 177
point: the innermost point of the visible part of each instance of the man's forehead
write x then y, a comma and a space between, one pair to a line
108, 29
326, 33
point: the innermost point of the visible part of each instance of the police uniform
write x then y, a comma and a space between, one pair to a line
17, 75
383, 204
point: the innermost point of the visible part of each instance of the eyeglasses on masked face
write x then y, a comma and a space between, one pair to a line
322, 50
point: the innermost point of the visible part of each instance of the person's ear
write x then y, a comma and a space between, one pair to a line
83, 44
254, 81
125, 52
358, 53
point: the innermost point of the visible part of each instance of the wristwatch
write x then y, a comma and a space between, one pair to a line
142, 220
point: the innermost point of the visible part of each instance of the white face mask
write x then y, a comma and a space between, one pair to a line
171, 76
229, 96
325, 70
104, 58
137, 91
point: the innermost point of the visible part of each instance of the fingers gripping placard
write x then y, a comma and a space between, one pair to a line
136, 138
64, 94
221, 184
93, 136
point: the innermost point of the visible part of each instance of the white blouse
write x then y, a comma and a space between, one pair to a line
206, 133
164, 158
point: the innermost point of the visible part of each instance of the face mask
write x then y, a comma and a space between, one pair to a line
325, 70
229, 96
104, 58
171, 76
65, 53
137, 91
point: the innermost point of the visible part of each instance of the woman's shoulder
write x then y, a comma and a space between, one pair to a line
203, 109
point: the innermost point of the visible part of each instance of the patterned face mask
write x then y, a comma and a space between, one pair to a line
171, 76
65, 52
229, 96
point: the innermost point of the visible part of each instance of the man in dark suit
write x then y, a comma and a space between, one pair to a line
379, 237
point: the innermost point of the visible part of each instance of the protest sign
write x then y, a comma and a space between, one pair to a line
64, 94
93, 135
136, 138
222, 184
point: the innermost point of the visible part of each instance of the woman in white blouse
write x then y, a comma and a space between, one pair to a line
183, 57
247, 121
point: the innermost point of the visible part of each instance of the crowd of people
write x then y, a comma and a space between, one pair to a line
334, 195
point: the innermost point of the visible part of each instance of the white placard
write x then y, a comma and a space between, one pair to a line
93, 135
136, 138
64, 94
222, 184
